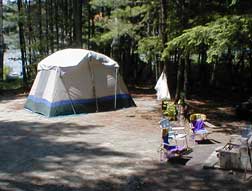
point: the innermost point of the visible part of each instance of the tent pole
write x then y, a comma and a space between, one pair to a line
93, 83
116, 71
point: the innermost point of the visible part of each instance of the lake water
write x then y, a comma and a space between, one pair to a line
12, 58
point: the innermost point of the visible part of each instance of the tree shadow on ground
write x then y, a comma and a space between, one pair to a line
40, 156
157, 177
31, 151
31, 146
6, 95
219, 113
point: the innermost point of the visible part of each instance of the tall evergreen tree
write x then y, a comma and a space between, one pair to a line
1, 40
22, 40
77, 10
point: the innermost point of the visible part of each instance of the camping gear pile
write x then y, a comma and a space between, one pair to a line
236, 154
184, 126
73, 81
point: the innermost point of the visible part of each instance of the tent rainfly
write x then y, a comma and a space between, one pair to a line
73, 81
162, 87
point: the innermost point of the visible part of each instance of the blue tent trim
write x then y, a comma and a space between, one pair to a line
65, 107
80, 101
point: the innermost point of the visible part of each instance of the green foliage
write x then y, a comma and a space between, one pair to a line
10, 17
134, 31
6, 71
229, 32
171, 111
121, 21
11, 85
226, 32
108, 3
188, 41
149, 48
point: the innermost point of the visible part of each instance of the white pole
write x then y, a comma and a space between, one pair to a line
93, 84
116, 71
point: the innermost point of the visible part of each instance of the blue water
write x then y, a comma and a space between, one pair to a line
12, 58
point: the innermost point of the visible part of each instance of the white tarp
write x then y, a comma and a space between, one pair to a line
162, 88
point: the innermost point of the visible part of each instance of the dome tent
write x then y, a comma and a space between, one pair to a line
73, 81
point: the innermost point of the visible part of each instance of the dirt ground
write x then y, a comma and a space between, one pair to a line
107, 151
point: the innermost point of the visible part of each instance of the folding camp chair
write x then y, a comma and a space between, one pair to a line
169, 134
197, 125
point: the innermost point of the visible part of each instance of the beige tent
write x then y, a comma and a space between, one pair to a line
74, 81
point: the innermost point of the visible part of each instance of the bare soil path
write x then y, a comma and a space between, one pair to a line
105, 151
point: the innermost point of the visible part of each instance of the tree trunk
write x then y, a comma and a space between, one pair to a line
1, 40
62, 26
29, 22
230, 67
70, 21
77, 38
186, 73
163, 18
202, 67
51, 20
213, 75
89, 24
250, 66
41, 38
56, 8
22, 42
180, 76
47, 25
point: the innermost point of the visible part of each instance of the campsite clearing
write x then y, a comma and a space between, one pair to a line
114, 150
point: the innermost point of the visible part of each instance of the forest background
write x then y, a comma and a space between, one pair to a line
202, 45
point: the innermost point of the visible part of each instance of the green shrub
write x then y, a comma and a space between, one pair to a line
6, 71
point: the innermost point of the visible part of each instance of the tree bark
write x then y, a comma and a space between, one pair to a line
62, 26
1, 40
202, 67
163, 18
77, 38
51, 27
47, 26
186, 75
41, 38
250, 65
22, 42
56, 15
89, 24
230, 67
213, 74
180, 76
29, 23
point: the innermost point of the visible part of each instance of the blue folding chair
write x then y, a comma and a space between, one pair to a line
167, 149
197, 125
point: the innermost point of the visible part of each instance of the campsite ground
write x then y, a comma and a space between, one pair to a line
107, 151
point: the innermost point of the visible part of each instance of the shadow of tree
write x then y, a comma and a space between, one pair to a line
158, 177
219, 113
29, 147
70, 157
6, 95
